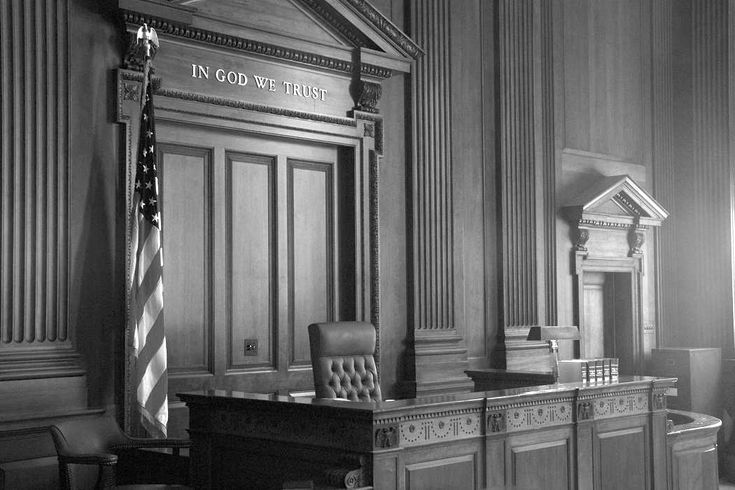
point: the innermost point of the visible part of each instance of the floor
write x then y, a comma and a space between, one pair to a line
724, 485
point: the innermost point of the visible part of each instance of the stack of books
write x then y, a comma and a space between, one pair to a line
600, 370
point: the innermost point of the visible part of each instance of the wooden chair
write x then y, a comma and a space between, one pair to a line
96, 453
342, 358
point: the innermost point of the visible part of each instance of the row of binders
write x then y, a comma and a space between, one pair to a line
600, 370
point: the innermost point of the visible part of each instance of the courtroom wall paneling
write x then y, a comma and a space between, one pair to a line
471, 83
603, 65
699, 182
61, 262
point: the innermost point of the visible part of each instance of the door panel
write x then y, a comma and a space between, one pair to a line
185, 202
311, 249
250, 252
251, 195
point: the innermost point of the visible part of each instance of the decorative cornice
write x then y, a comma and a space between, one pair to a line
426, 416
165, 27
331, 17
599, 223
241, 104
386, 27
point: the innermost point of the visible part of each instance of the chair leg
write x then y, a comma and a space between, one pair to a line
106, 477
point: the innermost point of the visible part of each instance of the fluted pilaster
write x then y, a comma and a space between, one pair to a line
440, 354
432, 169
34, 118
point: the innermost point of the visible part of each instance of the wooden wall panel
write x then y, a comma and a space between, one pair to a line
541, 465
627, 448
251, 200
703, 188
456, 472
185, 176
311, 252
35, 172
604, 83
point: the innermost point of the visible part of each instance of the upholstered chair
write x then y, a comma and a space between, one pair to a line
95, 453
343, 362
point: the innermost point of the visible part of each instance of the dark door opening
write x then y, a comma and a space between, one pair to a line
609, 326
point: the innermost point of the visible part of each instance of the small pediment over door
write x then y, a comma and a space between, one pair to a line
615, 202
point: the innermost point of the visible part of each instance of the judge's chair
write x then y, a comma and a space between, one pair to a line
343, 362
95, 454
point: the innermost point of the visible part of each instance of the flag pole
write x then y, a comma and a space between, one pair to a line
147, 39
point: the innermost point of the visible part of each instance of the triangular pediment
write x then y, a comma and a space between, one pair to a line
616, 199
333, 29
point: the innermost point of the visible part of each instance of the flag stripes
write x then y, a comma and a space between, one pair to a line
149, 340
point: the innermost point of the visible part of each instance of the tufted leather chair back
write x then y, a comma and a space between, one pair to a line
343, 362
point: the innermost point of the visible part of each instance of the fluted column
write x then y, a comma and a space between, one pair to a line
664, 181
440, 355
525, 142
34, 115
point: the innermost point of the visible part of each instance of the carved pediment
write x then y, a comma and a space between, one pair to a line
616, 202
329, 34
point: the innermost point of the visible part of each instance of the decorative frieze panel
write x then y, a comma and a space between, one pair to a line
529, 416
432, 430
34, 114
616, 406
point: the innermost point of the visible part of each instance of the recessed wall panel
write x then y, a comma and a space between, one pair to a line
185, 210
252, 252
604, 91
311, 251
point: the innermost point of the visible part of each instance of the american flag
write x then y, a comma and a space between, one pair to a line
149, 341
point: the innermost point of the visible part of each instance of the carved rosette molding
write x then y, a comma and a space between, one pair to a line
615, 406
173, 29
530, 415
604, 405
547, 415
34, 201
429, 431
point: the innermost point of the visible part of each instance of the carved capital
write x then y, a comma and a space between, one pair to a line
496, 422
386, 437
583, 235
584, 410
636, 239
659, 401
366, 95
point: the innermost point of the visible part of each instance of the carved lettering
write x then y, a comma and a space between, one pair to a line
233, 77
199, 71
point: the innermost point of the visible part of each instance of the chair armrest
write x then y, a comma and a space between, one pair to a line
102, 459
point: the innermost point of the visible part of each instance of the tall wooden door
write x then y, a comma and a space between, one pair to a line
251, 233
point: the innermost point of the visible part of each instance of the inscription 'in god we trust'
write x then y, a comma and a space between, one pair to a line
241, 79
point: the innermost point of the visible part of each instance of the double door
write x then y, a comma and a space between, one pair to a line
252, 240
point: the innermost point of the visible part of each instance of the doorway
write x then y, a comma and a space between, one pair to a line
609, 326
258, 234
